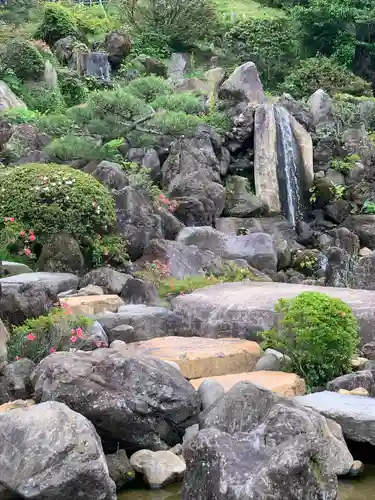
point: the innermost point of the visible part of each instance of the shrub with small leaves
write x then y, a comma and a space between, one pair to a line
55, 125
24, 59
149, 88
43, 98
187, 102
60, 330
16, 243
319, 334
72, 88
17, 116
74, 147
51, 199
175, 123
57, 23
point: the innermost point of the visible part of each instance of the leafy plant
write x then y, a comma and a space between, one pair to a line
57, 23
24, 59
337, 191
175, 123
149, 88
15, 242
319, 334
108, 250
19, 116
187, 102
368, 207
43, 98
346, 164
74, 147
55, 124
72, 88
60, 330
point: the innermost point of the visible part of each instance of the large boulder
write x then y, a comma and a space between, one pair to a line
355, 414
50, 451
159, 468
243, 85
118, 46
8, 99
192, 169
108, 279
136, 220
16, 378
247, 407
257, 249
135, 401
55, 282
240, 201
351, 381
110, 174
62, 254
147, 158
364, 227
181, 260
362, 273
25, 139
321, 106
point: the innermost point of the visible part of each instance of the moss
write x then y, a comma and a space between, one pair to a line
54, 199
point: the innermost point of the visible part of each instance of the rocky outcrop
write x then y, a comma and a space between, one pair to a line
118, 45
50, 451
120, 469
110, 280
137, 402
243, 85
55, 282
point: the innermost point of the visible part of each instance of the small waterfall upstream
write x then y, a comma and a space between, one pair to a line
97, 65
288, 159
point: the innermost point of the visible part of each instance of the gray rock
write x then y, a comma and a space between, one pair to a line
111, 175
17, 378
362, 275
322, 109
355, 414
210, 391
27, 301
13, 268
243, 85
158, 468
64, 455
268, 362
245, 309
274, 419
356, 469
176, 67
364, 227
218, 467
137, 291
136, 220
108, 279
350, 381
62, 254
192, 169
146, 158
120, 470
90, 290
96, 335
368, 351
345, 239
8, 99
298, 109
25, 139
136, 322
118, 45
191, 432
4, 337
55, 282
257, 249
135, 401
240, 201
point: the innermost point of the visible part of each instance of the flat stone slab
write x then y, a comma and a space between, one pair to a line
286, 384
199, 357
93, 304
56, 282
14, 268
247, 308
355, 414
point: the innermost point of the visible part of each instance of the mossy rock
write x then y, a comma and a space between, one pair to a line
61, 254
307, 262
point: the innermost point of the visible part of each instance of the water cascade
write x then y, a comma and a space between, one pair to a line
97, 65
288, 162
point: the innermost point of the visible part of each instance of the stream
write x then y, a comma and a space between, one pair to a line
362, 488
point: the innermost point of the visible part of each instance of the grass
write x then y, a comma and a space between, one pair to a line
247, 8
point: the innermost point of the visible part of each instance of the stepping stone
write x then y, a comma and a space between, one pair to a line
247, 308
56, 282
14, 268
355, 414
89, 305
286, 384
198, 357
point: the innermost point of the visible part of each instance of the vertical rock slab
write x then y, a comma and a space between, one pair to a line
305, 144
265, 158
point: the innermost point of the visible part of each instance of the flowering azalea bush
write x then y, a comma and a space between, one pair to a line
16, 242
60, 330
171, 205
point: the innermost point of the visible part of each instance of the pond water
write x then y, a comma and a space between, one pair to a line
362, 488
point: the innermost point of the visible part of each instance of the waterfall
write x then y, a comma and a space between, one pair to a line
288, 159
97, 65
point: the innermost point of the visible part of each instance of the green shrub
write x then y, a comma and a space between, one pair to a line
43, 98
58, 22
16, 244
152, 45
323, 73
51, 199
60, 330
18, 116
24, 59
346, 164
17, 11
55, 125
271, 43
179, 22
219, 120
73, 147
149, 88
186, 102
319, 334
175, 123
72, 88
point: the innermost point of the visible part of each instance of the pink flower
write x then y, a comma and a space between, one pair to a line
11, 219
100, 343
32, 237
79, 333
52, 350
17, 358
73, 331
30, 336
22, 233
73, 339
27, 251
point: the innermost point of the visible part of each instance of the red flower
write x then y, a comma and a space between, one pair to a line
100, 344
79, 333
27, 251
73, 339
22, 233
30, 336
52, 350
17, 358
32, 237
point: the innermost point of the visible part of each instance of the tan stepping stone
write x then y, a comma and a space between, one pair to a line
286, 384
199, 357
17, 405
93, 304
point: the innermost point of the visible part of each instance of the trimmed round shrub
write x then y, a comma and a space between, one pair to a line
175, 123
52, 199
319, 334
24, 59
149, 88
57, 23
323, 73
185, 101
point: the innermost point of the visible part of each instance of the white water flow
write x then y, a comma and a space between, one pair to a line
97, 65
288, 159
